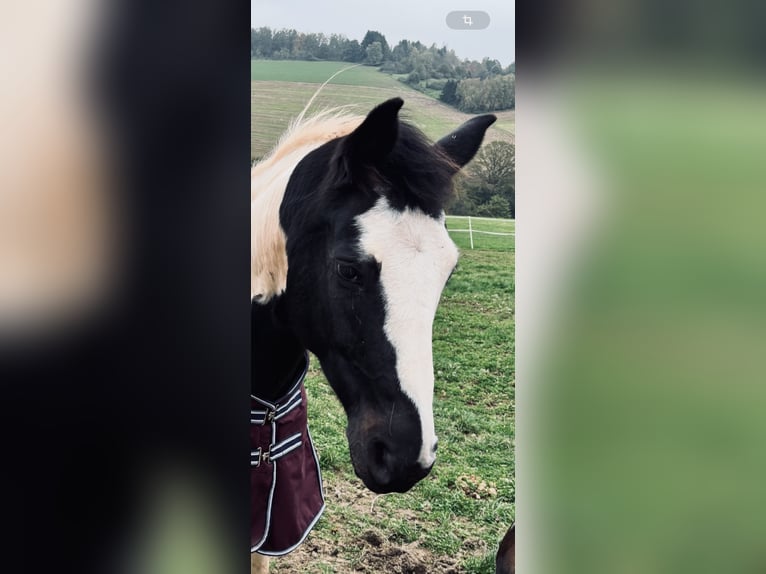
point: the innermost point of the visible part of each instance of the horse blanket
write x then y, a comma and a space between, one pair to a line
286, 495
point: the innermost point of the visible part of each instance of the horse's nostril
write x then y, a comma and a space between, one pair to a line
382, 462
435, 447
379, 453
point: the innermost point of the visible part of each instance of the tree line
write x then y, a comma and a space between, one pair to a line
468, 85
488, 186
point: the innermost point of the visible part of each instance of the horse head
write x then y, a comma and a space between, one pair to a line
368, 255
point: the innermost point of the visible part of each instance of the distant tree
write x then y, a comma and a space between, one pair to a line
389, 67
488, 186
374, 36
436, 84
374, 54
335, 47
297, 52
493, 173
477, 96
468, 95
282, 54
462, 203
444, 70
260, 43
496, 163
492, 67
497, 206
413, 78
311, 44
353, 52
401, 51
473, 69
283, 43
449, 92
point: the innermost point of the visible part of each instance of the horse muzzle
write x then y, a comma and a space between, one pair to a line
389, 472
385, 465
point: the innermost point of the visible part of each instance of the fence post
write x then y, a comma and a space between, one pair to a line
470, 230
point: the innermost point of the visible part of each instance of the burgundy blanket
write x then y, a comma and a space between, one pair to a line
285, 483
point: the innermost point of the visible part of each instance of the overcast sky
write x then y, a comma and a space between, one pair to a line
422, 20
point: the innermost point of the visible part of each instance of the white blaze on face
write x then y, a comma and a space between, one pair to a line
416, 256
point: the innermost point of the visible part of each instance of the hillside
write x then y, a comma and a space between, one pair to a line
280, 90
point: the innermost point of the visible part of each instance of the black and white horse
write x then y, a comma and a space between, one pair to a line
350, 255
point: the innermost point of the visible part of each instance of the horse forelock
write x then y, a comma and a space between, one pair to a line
416, 173
268, 182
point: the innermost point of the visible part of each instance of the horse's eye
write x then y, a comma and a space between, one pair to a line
348, 272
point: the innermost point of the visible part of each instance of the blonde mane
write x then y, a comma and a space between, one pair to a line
268, 182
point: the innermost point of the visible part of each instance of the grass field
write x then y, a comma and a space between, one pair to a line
318, 72
453, 520
481, 241
280, 90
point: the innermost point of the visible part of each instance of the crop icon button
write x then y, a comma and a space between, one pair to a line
468, 20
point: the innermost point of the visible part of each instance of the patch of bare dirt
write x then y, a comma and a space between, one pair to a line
371, 551
376, 555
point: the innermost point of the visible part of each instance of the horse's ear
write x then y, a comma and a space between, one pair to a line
376, 136
462, 144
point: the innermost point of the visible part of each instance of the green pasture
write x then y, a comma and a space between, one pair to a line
458, 226
281, 89
449, 516
318, 73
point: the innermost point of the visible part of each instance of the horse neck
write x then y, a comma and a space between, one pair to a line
277, 356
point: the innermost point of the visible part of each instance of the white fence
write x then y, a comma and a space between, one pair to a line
471, 230
481, 218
